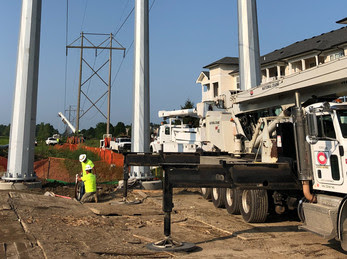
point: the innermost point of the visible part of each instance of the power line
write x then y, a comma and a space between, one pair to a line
132, 10
84, 15
66, 42
130, 47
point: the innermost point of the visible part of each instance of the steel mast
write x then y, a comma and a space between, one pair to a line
140, 127
20, 166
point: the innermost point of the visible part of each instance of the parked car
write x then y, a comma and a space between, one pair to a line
51, 141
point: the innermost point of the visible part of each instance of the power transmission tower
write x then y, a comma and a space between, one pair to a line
106, 44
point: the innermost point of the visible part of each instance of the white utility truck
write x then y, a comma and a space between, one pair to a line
285, 140
119, 145
287, 149
174, 137
297, 128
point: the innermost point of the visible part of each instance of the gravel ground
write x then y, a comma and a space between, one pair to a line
36, 226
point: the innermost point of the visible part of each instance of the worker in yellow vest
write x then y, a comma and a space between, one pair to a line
84, 162
89, 180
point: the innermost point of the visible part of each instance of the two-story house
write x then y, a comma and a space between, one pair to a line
222, 75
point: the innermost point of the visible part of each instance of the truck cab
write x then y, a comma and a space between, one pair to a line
328, 142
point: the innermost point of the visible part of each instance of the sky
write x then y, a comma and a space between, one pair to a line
185, 35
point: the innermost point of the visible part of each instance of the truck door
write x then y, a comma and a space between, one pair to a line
165, 135
326, 158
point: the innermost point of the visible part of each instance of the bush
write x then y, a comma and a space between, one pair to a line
43, 151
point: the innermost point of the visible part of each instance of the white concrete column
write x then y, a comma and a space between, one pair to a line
278, 72
303, 64
290, 68
140, 128
317, 60
20, 164
250, 75
267, 75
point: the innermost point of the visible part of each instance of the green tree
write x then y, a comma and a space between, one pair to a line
90, 133
5, 130
119, 129
45, 130
193, 121
100, 129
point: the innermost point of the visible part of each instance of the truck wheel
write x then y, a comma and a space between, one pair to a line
342, 221
254, 206
206, 193
344, 235
218, 197
232, 201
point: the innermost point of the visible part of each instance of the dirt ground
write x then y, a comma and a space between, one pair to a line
36, 226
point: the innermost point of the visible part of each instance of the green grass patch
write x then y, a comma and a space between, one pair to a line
4, 140
92, 142
44, 151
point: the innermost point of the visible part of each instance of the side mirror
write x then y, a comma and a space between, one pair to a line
312, 136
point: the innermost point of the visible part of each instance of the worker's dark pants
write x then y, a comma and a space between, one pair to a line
82, 189
88, 197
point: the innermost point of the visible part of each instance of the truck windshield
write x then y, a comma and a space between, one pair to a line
342, 116
125, 140
326, 127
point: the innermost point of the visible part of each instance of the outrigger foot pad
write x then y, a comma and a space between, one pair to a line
168, 244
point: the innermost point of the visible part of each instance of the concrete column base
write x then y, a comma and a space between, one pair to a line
19, 185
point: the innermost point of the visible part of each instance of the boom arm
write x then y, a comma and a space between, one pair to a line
180, 113
66, 121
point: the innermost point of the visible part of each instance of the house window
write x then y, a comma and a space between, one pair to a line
237, 78
206, 88
215, 89
336, 55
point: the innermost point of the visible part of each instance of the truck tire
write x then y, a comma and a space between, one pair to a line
218, 197
206, 193
254, 205
232, 201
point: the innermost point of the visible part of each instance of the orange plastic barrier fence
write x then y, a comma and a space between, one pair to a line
3, 164
106, 155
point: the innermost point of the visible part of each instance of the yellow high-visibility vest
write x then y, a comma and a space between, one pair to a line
89, 182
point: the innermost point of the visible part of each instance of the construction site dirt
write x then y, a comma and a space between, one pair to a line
33, 225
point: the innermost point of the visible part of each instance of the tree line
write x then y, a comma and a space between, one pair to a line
46, 130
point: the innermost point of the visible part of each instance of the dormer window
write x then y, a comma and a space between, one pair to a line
336, 55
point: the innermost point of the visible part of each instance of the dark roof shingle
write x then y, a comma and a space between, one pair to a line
322, 42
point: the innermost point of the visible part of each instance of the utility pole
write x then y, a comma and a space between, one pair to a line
140, 128
20, 166
248, 44
102, 46
109, 88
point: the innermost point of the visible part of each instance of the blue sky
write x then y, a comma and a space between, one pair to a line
185, 35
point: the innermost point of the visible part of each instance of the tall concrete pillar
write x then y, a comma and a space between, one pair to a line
249, 53
20, 166
140, 127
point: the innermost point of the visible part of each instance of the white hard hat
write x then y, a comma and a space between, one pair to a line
88, 167
82, 157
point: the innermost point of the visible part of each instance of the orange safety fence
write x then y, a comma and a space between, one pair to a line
54, 168
106, 155
3, 164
